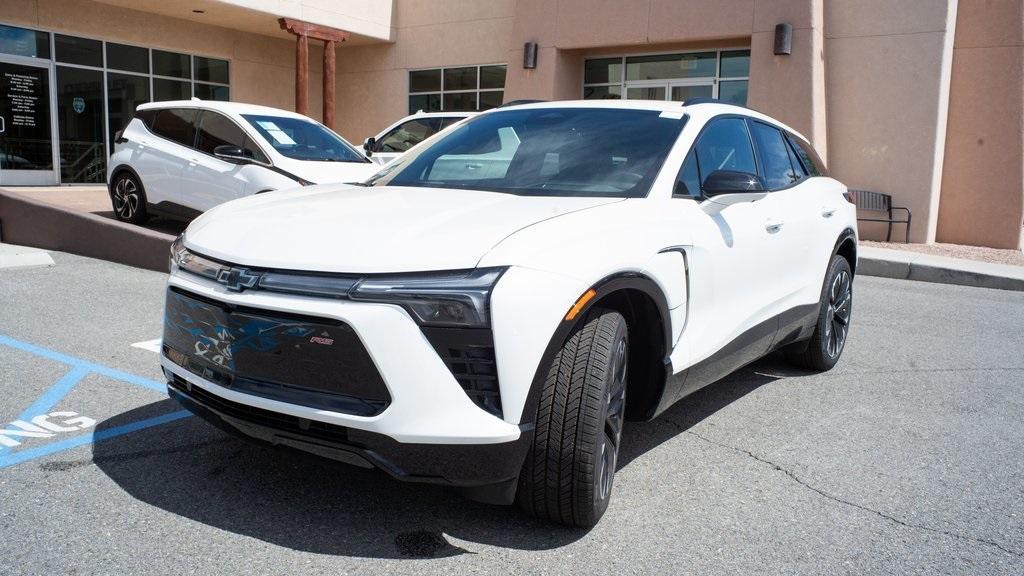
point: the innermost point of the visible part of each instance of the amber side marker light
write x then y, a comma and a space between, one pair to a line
587, 297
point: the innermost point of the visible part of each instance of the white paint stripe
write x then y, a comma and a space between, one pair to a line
151, 345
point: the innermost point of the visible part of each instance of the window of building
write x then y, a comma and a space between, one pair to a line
721, 74
462, 88
120, 76
24, 42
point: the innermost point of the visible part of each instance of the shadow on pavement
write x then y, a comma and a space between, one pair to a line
306, 503
157, 223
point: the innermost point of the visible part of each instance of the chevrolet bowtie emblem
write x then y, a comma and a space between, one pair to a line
237, 279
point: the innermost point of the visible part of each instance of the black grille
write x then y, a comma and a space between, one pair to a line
315, 362
469, 354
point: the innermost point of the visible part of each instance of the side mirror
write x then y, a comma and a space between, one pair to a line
732, 182
369, 144
232, 153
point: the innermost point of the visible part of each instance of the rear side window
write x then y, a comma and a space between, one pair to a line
808, 157
778, 172
725, 145
448, 121
408, 134
219, 130
146, 116
176, 124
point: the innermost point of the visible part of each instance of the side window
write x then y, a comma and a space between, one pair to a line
795, 161
176, 124
725, 145
808, 157
688, 181
147, 116
408, 134
218, 130
774, 154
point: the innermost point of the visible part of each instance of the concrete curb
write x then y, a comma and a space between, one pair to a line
29, 222
906, 265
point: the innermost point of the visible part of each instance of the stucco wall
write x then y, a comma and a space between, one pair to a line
887, 77
982, 200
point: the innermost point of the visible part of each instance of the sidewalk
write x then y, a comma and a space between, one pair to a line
907, 265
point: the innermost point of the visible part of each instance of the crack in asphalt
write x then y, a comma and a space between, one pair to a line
839, 500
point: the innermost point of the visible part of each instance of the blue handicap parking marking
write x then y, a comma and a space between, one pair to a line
35, 421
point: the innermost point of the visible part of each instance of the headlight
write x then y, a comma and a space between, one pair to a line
185, 260
454, 299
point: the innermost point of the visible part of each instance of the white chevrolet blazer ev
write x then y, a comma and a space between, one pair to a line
183, 157
488, 318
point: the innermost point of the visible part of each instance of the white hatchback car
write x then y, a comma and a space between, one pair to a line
181, 158
396, 139
492, 329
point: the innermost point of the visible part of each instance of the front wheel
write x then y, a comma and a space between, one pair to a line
829, 337
570, 468
128, 198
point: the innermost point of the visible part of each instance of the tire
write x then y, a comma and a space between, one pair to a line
570, 467
829, 338
128, 198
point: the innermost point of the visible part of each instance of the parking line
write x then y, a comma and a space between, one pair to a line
149, 345
91, 366
79, 370
94, 436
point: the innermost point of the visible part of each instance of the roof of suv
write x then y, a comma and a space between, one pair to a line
704, 107
228, 107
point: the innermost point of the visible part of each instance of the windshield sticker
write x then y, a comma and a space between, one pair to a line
672, 115
276, 133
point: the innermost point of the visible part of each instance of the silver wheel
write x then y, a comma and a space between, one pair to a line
126, 198
837, 317
615, 409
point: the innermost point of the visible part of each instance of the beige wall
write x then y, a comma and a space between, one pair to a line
887, 79
982, 199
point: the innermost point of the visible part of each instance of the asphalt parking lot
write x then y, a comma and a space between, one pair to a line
906, 458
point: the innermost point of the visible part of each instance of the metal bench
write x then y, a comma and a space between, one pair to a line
882, 203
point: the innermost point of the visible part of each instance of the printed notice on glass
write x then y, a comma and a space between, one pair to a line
23, 92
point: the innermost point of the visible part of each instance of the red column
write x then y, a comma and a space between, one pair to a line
301, 73
329, 83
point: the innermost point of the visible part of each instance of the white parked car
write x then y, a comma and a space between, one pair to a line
492, 329
181, 158
396, 139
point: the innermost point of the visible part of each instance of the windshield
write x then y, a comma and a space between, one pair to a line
610, 152
303, 139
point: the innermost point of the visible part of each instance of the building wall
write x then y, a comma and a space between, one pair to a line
887, 84
982, 200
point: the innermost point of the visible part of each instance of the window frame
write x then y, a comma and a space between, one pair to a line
249, 139
106, 69
789, 137
803, 175
622, 83
441, 92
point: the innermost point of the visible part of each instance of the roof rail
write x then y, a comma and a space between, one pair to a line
706, 100
518, 102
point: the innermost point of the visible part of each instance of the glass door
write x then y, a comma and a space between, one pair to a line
681, 90
27, 155
672, 90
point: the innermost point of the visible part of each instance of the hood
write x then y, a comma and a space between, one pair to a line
358, 229
329, 172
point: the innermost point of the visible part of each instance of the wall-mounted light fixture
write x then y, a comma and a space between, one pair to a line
530, 55
783, 39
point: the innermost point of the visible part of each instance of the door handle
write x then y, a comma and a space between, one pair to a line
827, 212
773, 225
